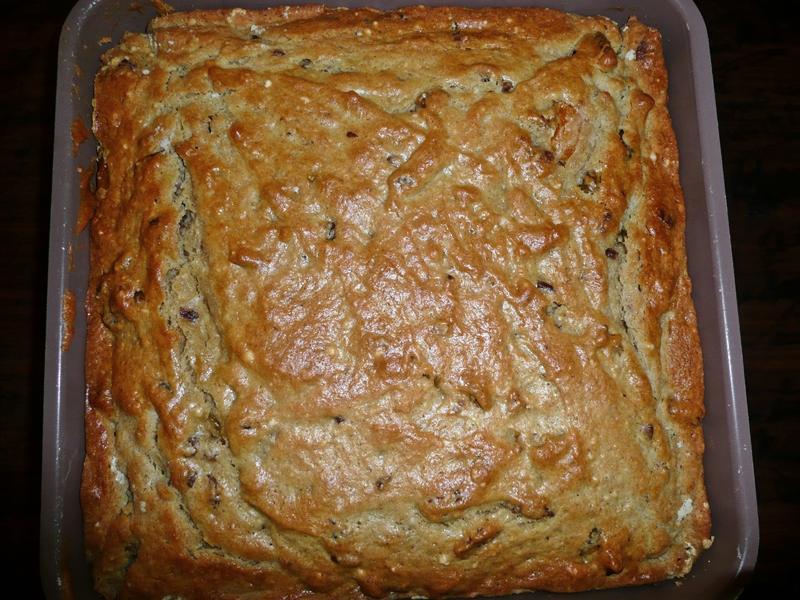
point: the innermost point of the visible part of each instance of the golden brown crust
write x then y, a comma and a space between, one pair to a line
389, 304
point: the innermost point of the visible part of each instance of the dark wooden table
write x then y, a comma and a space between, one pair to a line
756, 59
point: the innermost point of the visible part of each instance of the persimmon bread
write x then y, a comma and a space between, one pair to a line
389, 304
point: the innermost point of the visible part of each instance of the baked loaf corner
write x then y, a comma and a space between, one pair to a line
389, 304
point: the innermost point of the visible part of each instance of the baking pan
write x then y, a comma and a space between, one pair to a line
720, 572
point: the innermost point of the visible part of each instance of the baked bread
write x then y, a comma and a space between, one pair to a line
389, 304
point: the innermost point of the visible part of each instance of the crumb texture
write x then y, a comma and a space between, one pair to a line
389, 304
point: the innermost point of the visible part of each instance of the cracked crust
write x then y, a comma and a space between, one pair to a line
389, 304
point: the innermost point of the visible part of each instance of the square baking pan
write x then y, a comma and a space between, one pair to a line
94, 25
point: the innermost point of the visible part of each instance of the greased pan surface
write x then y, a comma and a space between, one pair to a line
94, 26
